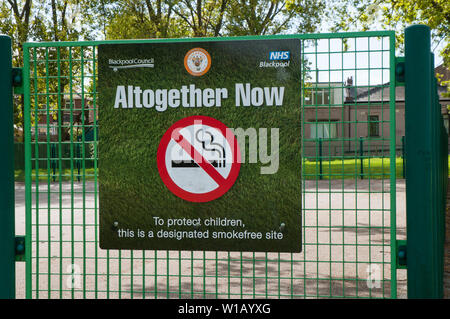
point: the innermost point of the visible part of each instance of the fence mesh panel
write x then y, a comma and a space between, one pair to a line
348, 182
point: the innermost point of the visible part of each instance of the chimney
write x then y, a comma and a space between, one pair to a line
349, 97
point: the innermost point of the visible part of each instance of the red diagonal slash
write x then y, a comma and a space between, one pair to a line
198, 158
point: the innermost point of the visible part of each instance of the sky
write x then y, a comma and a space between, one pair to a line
365, 59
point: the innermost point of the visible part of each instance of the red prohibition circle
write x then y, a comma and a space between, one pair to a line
172, 133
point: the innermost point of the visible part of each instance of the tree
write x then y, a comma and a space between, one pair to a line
397, 15
165, 18
16, 25
43, 21
261, 17
141, 19
203, 17
211, 18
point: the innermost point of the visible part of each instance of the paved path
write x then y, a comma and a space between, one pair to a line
342, 250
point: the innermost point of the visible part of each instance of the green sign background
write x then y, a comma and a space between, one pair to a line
131, 192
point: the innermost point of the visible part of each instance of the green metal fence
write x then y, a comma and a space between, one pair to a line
426, 168
349, 217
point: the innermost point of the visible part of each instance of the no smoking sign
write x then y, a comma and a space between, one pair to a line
198, 159
200, 149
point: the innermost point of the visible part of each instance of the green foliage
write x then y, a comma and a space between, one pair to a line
136, 19
373, 168
397, 15
24, 21
256, 17
184, 18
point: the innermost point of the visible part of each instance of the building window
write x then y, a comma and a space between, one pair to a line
53, 130
373, 125
323, 129
66, 117
318, 96
68, 104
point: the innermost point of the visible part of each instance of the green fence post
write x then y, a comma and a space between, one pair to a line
7, 231
421, 238
439, 193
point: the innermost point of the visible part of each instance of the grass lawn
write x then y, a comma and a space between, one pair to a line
373, 168
66, 175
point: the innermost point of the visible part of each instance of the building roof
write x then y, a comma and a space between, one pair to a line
381, 93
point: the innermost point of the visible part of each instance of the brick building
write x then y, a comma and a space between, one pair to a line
343, 117
73, 109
